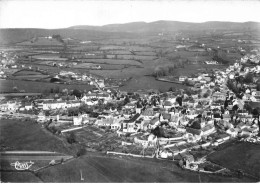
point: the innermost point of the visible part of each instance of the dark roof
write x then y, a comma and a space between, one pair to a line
133, 118
193, 131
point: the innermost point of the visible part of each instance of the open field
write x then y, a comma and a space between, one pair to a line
30, 137
244, 156
111, 61
33, 86
106, 169
147, 82
30, 77
26, 72
19, 177
41, 41
54, 57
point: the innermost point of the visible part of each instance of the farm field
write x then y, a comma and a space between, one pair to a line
112, 61
48, 57
19, 177
147, 82
33, 86
30, 137
108, 169
244, 156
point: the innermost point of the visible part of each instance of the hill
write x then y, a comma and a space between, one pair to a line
168, 26
127, 30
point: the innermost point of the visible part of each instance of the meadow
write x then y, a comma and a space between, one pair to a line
33, 86
243, 156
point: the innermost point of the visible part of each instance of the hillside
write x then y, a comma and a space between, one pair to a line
167, 26
128, 30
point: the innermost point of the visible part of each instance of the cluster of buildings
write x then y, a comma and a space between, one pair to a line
7, 60
172, 123
92, 80
253, 58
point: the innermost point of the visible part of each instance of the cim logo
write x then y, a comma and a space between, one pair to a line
22, 165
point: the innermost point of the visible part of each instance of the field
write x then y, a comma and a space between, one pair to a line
100, 169
147, 83
19, 177
33, 86
244, 156
30, 137
111, 61
128, 54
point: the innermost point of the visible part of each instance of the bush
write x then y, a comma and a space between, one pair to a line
249, 78
71, 138
82, 151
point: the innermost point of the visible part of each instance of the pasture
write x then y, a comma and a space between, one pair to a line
243, 155
105, 169
32, 86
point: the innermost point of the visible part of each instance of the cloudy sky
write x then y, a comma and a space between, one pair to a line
65, 13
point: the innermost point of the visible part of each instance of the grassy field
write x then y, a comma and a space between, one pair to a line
244, 156
112, 61
41, 41
32, 86
30, 137
19, 177
27, 73
146, 82
105, 169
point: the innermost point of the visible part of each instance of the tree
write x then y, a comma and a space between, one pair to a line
258, 86
179, 100
255, 111
76, 93
235, 108
206, 95
71, 138
248, 107
15, 89
82, 151
127, 100
249, 78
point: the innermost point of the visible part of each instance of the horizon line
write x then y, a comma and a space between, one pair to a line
128, 23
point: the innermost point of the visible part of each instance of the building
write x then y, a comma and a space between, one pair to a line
182, 78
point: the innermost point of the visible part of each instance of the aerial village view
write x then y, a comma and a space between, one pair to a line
163, 101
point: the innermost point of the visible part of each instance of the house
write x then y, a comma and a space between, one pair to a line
10, 106
72, 104
167, 105
215, 106
222, 138
232, 132
130, 106
129, 125
105, 97
138, 108
148, 113
208, 129
50, 105
116, 126
77, 120
154, 123
226, 117
218, 96
211, 62
28, 106
194, 132
245, 133
182, 78
41, 117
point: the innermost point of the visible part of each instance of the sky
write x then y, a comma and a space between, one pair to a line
65, 13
